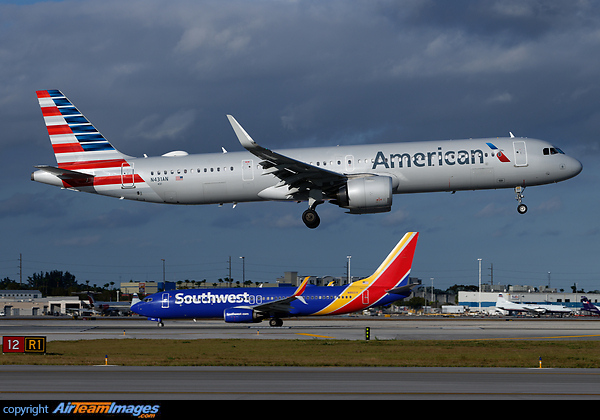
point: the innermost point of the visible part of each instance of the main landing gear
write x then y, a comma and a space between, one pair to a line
310, 217
275, 322
521, 208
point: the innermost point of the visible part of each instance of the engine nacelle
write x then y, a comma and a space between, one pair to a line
245, 315
369, 194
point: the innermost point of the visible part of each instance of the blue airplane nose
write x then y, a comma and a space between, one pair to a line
137, 308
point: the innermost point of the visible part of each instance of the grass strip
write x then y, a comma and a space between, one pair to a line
317, 352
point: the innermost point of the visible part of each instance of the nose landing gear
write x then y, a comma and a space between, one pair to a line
521, 208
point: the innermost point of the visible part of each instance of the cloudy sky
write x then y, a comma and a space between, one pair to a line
155, 76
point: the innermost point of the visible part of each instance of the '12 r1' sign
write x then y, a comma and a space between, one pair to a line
16, 344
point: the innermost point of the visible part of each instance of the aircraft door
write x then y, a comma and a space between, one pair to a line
247, 170
127, 176
520, 153
165, 301
365, 297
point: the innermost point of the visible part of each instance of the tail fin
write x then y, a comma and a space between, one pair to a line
588, 306
394, 271
391, 277
77, 144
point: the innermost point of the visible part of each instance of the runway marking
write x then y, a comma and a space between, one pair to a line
319, 393
315, 335
529, 338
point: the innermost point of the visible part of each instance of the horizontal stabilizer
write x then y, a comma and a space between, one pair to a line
64, 173
403, 289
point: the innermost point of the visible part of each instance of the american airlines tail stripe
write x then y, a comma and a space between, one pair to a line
100, 181
50, 111
95, 164
67, 148
75, 141
59, 129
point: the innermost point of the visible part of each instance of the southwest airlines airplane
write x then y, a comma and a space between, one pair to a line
390, 282
359, 178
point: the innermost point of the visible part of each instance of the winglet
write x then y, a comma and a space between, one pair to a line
300, 290
244, 138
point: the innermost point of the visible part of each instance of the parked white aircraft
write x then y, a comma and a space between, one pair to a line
533, 308
359, 178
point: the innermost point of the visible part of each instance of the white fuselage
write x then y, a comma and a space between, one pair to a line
414, 167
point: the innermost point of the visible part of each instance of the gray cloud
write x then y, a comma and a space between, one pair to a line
157, 75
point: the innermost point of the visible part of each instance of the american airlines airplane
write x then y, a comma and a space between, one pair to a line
360, 178
389, 283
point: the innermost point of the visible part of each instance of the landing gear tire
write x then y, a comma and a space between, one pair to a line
311, 219
275, 322
160, 324
522, 208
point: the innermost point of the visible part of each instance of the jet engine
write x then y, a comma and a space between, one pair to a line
369, 194
245, 315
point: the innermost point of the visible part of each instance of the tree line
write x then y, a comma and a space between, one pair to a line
57, 283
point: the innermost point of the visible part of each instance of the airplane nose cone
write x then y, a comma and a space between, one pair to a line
137, 308
570, 167
577, 167
573, 167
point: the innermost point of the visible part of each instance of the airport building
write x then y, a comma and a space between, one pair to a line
25, 305
141, 288
473, 301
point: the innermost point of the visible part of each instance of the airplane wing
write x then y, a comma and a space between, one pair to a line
298, 176
284, 305
64, 173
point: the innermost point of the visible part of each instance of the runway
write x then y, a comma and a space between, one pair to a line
79, 383
342, 328
107, 383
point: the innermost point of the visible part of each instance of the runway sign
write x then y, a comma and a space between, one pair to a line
16, 344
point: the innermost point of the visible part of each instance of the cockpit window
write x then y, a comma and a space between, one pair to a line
552, 151
148, 299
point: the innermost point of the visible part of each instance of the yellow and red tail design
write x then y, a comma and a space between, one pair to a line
393, 273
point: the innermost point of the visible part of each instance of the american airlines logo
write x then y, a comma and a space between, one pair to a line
439, 157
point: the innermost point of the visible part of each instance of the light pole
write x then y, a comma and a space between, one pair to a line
243, 270
479, 259
349, 277
432, 296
